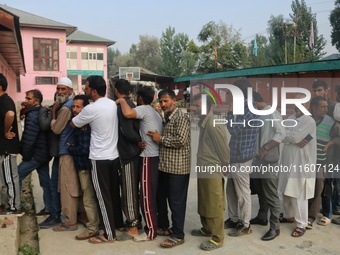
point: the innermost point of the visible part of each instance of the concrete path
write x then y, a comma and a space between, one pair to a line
320, 240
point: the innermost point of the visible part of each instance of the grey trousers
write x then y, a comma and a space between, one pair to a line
268, 199
238, 193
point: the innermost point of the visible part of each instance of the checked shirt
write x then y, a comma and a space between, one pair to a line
243, 136
174, 157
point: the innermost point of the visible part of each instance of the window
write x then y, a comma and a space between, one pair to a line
46, 80
84, 55
46, 54
100, 56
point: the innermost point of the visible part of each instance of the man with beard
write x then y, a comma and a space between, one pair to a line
103, 120
174, 166
80, 152
34, 146
68, 181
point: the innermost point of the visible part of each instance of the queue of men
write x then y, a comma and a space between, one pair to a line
115, 160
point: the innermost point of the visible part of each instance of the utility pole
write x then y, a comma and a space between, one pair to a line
295, 28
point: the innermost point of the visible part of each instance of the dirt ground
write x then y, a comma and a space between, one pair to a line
29, 239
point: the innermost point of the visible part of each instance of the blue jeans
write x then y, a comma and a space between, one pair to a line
56, 207
27, 167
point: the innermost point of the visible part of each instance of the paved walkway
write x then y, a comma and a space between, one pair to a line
320, 240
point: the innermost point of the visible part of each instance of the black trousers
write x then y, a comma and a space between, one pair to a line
105, 179
174, 188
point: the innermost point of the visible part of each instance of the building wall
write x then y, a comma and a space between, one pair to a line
79, 69
7, 71
28, 81
76, 69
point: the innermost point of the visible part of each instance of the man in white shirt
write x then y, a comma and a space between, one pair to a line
271, 134
103, 120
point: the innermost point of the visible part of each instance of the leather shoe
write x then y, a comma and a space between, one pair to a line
271, 234
257, 221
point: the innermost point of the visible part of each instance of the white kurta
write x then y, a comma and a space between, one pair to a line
300, 180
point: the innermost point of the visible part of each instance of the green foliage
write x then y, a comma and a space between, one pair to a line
222, 48
289, 39
27, 250
147, 53
334, 18
262, 52
176, 57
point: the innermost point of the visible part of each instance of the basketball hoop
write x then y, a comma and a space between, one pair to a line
129, 73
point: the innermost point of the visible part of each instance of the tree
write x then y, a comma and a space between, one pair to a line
147, 52
279, 39
111, 59
176, 57
302, 18
334, 18
218, 51
289, 38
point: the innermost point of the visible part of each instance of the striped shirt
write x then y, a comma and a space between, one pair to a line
174, 155
323, 136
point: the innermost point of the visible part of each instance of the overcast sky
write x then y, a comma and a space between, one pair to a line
124, 21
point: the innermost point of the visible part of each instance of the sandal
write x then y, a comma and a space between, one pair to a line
167, 232
286, 220
171, 242
62, 227
324, 221
310, 225
298, 232
210, 245
124, 237
100, 239
86, 235
200, 232
336, 221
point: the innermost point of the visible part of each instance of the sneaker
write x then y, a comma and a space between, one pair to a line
43, 212
49, 222
240, 230
17, 212
229, 224
141, 238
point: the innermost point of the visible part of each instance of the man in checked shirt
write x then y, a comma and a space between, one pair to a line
174, 166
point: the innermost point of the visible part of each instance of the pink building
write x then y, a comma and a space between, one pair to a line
52, 50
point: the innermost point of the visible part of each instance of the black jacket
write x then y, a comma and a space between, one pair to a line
128, 135
34, 141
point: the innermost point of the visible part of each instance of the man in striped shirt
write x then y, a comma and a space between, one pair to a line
327, 135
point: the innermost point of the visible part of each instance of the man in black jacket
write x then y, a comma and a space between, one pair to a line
34, 146
129, 157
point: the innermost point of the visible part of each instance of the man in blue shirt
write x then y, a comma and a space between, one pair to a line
242, 145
